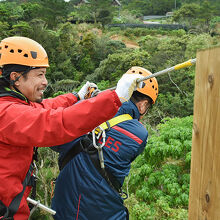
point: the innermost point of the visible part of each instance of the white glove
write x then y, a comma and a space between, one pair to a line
126, 86
85, 91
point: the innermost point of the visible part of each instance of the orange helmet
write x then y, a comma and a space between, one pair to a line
151, 86
22, 51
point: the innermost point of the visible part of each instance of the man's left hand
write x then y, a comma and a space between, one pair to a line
88, 90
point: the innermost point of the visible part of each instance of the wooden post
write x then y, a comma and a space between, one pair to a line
204, 198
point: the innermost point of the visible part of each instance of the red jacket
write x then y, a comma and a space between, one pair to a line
53, 122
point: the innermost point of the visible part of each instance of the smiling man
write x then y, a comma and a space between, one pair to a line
27, 120
32, 86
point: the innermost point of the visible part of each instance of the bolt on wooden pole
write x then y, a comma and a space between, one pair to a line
204, 198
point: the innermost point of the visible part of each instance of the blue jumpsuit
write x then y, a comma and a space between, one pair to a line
81, 193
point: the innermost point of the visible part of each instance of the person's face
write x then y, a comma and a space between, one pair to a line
32, 85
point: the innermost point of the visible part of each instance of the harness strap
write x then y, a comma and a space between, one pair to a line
77, 149
86, 145
110, 179
114, 121
33, 179
10, 211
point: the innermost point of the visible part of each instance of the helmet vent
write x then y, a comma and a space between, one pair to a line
19, 50
25, 55
34, 54
11, 51
156, 89
151, 80
6, 46
133, 71
140, 73
153, 86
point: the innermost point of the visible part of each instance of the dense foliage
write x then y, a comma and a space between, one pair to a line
158, 185
161, 7
81, 47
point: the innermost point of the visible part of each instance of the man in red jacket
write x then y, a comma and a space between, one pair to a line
28, 120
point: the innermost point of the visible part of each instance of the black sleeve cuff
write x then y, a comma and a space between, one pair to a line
77, 96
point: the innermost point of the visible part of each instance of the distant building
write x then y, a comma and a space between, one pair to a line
157, 17
153, 17
114, 2
169, 14
83, 1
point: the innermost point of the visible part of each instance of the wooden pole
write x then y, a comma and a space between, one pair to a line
204, 198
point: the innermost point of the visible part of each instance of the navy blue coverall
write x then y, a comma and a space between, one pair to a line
81, 193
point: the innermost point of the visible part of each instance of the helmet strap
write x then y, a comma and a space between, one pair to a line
12, 82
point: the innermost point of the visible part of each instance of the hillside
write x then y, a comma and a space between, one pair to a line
88, 49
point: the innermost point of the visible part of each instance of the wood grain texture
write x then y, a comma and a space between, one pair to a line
204, 199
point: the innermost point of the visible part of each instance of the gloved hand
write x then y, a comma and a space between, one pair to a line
126, 85
95, 92
87, 90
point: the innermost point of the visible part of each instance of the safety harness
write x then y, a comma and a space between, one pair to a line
89, 145
7, 212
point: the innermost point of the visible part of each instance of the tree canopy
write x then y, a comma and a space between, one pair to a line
81, 46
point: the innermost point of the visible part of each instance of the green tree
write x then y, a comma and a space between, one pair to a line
150, 7
80, 13
105, 16
53, 11
4, 29
117, 64
158, 184
31, 11
99, 10
10, 12
196, 43
22, 28
195, 16
5, 12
